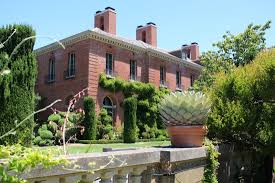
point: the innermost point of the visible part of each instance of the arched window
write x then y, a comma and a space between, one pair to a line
102, 23
143, 35
108, 105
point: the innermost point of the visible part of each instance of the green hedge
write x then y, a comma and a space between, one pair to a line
130, 126
117, 141
90, 121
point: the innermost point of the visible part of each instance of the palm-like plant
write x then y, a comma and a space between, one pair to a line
184, 108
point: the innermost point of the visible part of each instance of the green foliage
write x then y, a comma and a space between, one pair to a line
148, 98
210, 171
104, 118
154, 133
17, 95
244, 107
130, 127
54, 117
19, 159
50, 132
184, 108
89, 122
105, 126
233, 50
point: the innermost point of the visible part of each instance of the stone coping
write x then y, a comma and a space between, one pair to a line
96, 162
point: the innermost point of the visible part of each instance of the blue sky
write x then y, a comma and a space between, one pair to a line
178, 21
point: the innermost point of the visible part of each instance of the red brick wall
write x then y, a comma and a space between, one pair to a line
62, 88
91, 61
109, 17
151, 34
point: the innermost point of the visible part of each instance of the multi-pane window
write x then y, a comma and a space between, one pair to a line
192, 79
51, 76
133, 68
178, 79
109, 64
71, 65
162, 75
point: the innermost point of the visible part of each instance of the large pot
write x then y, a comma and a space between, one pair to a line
186, 136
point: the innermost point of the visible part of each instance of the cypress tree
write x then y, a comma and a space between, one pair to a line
90, 121
17, 96
130, 118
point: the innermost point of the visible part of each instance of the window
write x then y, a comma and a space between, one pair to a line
162, 75
102, 23
143, 35
133, 68
192, 79
178, 80
109, 64
108, 105
51, 76
71, 65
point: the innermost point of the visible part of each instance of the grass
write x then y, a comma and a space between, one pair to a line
89, 148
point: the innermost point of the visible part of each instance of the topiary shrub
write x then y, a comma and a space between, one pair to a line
89, 121
130, 127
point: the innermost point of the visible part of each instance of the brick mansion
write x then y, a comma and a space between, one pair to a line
64, 72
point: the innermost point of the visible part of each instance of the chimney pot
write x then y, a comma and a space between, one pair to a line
139, 26
194, 43
151, 23
97, 12
110, 8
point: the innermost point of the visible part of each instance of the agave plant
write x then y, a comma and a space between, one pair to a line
184, 108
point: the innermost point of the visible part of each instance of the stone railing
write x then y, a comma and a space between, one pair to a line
163, 165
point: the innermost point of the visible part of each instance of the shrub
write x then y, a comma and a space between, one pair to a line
51, 132
243, 104
130, 127
104, 118
17, 95
89, 121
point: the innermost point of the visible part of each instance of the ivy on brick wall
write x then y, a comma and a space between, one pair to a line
148, 97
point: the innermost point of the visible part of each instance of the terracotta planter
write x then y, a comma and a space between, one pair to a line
186, 136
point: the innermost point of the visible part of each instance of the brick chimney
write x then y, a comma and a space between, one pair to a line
106, 20
147, 33
191, 51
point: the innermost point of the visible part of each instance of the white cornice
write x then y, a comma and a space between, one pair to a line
131, 45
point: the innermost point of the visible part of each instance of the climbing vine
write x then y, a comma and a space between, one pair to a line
210, 170
148, 97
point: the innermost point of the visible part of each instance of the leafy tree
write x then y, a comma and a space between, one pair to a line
17, 95
232, 51
130, 118
244, 105
90, 121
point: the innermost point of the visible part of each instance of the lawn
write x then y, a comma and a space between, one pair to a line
88, 148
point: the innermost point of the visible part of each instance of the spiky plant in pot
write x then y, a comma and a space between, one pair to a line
184, 114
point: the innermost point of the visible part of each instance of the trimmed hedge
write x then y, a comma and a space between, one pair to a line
90, 120
117, 141
130, 118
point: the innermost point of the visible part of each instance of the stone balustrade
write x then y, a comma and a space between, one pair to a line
163, 165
